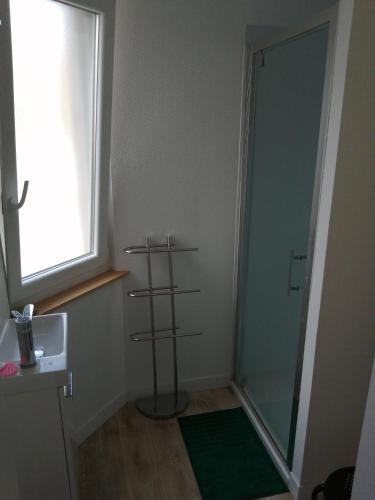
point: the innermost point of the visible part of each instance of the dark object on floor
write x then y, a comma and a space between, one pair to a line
228, 458
338, 486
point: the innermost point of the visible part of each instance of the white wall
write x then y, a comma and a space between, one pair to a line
364, 479
96, 358
176, 119
4, 303
345, 341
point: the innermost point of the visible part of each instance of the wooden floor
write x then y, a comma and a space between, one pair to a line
132, 457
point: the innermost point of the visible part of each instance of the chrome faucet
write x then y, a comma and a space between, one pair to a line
25, 335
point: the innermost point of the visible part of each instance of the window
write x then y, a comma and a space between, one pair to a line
54, 82
56, 113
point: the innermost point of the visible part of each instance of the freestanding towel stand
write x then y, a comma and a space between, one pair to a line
161, 405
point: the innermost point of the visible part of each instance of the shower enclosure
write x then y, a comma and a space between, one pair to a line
280, 191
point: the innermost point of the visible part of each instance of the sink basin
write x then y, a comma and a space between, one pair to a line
50, 336
48, 332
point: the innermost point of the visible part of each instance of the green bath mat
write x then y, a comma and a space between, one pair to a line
228, 459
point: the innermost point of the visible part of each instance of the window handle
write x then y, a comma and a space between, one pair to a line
20, 204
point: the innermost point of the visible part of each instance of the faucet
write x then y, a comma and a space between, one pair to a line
25, 335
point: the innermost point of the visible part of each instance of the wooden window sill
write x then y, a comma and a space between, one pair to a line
51, 303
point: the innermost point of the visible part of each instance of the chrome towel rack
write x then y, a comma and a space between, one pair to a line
157, 249
161, 405
155, 293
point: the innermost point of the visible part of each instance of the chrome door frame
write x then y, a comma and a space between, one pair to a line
326, 17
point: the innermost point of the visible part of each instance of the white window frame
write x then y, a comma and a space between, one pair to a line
67, 274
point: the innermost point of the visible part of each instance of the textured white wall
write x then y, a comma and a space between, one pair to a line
345, 343
96, 358
176, 119
364, 479
4, 304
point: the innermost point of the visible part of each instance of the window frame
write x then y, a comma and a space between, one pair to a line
55, 279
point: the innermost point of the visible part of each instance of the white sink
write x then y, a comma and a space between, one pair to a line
50, 335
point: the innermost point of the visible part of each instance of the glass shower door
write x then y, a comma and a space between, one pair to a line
287, 102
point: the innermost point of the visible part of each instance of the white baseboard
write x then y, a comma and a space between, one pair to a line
98, 419
286, 474
190, 385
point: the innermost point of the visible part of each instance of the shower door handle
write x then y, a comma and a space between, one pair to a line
293, 257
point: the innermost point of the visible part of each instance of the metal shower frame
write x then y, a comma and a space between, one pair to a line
329, 17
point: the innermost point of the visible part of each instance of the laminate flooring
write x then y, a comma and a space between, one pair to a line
132, 457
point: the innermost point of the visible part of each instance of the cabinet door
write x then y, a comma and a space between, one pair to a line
39, 447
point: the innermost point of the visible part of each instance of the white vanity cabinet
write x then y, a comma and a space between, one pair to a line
38, 445
36, 462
